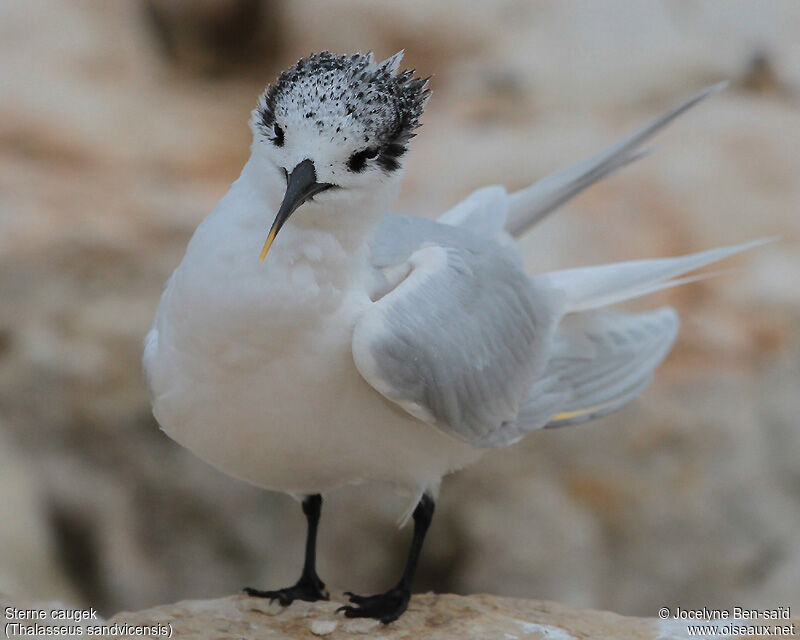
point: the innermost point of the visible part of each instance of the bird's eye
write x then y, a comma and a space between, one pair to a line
358, 160
278, 139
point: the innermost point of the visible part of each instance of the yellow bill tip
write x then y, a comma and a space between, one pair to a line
267, 244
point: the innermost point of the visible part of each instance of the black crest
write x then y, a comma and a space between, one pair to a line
350, 96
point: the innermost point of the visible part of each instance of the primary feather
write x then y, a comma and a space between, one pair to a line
529, 206
593, 287
625, 350
495, 209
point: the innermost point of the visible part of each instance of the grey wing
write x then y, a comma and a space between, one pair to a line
460, 339
600, 361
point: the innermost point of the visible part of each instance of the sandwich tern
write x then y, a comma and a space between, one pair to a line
374, 346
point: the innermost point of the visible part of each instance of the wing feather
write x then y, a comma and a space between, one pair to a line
627, 349
496, 213
461, 339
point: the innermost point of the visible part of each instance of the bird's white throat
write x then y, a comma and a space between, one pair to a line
322, 249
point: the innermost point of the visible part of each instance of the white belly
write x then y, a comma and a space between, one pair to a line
286, 410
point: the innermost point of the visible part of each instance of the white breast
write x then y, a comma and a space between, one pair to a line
250, 366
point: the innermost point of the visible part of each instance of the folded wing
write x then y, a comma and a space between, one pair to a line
459, 341
462, 339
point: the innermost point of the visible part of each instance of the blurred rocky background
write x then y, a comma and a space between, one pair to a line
122, 123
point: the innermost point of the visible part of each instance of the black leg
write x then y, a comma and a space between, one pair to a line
309, 587
387, 607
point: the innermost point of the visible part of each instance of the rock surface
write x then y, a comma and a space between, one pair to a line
432, 617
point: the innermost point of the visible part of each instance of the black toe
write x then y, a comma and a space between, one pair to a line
386, 607
308, 589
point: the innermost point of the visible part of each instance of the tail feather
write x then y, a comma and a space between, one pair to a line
594, 287
528, 206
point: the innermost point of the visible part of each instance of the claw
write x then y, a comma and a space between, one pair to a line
303, 590
345, 608
354, 598
386, 607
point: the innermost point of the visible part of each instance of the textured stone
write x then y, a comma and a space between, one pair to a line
429, 616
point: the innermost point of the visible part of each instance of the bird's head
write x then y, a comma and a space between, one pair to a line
337, 128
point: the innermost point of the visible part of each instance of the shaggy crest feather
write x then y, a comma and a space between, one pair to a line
348, 96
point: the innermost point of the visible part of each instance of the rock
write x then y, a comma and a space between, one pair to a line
429, 616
